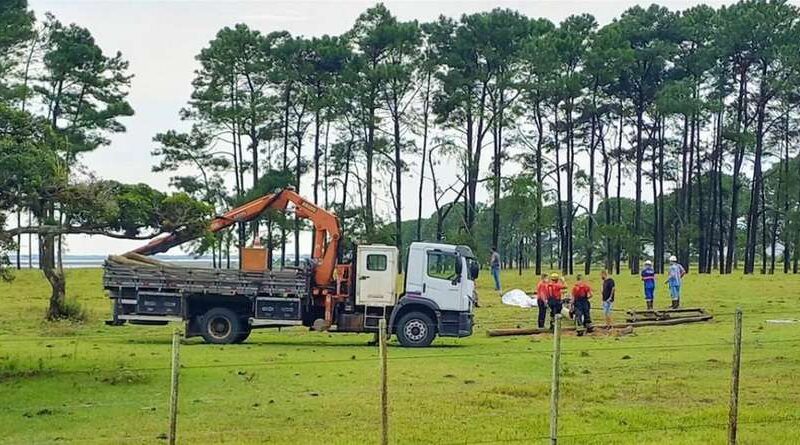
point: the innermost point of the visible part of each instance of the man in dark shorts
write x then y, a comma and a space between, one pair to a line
581, 293
555, 288
609, 291
541, 300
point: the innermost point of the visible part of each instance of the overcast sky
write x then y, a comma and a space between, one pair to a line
161, 37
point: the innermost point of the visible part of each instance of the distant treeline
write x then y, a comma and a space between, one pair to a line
697, 108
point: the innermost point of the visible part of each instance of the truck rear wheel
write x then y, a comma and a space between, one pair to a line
221, 326
415, 330
245, 332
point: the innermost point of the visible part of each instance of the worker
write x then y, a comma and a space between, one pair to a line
494, 262
541, 299
581, 293
609, 291
649, 280
555, 289
674, 278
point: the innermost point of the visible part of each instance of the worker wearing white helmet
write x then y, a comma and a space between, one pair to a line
649, 281
674, 279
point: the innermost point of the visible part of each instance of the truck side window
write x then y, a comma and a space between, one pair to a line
441, 265
376, 262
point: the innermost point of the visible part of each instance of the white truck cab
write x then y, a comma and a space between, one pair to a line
439, 293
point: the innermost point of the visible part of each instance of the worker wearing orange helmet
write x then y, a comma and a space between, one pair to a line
555, 290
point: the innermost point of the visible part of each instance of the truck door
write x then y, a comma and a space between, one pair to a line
376, 269
440, 280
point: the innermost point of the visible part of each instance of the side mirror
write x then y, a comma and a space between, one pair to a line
459, 265
474, 269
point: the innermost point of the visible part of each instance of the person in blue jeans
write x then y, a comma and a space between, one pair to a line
649, 281
494, 262
674, 278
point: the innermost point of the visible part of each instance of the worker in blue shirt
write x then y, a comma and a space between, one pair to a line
649, 280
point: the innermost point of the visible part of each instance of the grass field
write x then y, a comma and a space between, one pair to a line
88, 383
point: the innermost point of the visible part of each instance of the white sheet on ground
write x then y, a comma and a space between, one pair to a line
517, 297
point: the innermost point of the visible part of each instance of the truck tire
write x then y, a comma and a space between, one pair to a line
221, 326
243, 334
415, 330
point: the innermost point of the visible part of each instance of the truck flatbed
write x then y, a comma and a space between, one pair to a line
187, 281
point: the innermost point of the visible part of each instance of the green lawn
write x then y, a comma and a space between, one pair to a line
65, 383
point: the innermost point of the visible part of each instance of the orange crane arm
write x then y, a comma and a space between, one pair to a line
326, 229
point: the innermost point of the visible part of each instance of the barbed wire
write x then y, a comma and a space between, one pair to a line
394, 358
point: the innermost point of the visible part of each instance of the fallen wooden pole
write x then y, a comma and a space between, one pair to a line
529, 331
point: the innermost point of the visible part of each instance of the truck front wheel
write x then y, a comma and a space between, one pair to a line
415, 330
221, 326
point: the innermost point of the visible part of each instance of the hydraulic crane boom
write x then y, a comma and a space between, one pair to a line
326, 229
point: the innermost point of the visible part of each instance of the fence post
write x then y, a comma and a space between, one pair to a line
733, 416
555, 385
384, 383
173, 397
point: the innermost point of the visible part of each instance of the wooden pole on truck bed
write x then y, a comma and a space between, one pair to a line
173, 396
733, 416
384, 383
554, 388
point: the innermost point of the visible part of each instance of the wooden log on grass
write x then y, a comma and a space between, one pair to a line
531, 331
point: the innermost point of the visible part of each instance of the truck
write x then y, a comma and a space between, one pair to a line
332, 291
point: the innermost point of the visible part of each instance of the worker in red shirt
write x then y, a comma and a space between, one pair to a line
541, 299
555, 289
581, 293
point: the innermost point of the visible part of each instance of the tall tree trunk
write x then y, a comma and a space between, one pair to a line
345, 183
618, 250
787, 242
658, 256
498, 160
317, 154
286, 105
592, 148
570, 140
720, 195
398, 177
763, 212
737, 165
609, 260
540, 191
298, 171
325, 165
19, 240
369, 220
662, 206
425, 109
755, 194
637, 218
559, 208
701, 217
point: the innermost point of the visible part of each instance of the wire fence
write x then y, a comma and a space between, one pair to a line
540, 352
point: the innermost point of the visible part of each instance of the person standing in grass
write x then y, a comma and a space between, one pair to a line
674, 278
609, 291
649, 281
541, 299
581, 293
555, 289
494, 263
